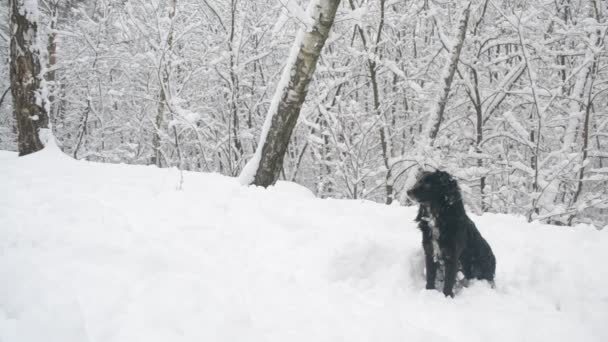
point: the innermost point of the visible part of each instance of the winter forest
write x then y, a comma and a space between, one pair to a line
510, 96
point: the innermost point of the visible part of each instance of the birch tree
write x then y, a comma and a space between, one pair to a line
265, 166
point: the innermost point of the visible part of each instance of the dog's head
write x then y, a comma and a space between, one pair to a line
434, 188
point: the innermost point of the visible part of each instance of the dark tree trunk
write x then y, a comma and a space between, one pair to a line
233, 122
385, 136
52, 59
28, 106
285, 116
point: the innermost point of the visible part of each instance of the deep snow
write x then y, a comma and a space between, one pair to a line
100, 252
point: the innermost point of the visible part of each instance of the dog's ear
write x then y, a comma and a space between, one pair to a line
449, 183
422, 174
444, 179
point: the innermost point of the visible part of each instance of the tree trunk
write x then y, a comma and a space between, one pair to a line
265, 166
581, 172
163, 96
52, 59
26, 78
436, 115
158, 124
233, 122
479, 133
385, 136
592, 73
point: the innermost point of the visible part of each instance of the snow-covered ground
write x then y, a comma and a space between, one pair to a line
100, 252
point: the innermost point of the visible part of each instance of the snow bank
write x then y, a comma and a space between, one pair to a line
99, 252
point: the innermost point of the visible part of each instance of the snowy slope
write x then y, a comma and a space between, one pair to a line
100, 252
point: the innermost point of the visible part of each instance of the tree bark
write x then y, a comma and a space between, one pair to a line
283, 116
26, 78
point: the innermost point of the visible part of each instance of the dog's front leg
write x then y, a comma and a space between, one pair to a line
451, 269
431, 265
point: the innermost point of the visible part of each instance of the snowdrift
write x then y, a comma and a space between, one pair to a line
100, 252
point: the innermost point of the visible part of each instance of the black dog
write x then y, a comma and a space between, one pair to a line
448, 235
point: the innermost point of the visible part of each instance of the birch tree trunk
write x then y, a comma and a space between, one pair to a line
26, 78
265, 166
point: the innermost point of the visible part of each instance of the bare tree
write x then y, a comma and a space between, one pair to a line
29, 105
266, 165
385, 142
164, 96
436, 114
